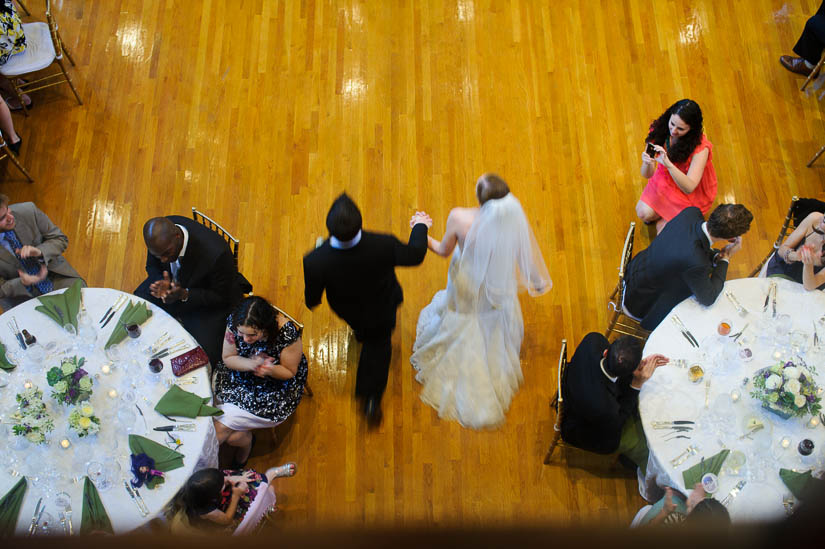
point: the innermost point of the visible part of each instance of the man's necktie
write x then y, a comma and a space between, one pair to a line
30, 264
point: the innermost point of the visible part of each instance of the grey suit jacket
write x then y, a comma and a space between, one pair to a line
33, 228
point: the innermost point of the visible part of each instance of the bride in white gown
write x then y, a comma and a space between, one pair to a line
468, 338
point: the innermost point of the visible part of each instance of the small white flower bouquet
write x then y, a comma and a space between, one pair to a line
32, 420
83, 420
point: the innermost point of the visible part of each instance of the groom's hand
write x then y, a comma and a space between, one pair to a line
421, 217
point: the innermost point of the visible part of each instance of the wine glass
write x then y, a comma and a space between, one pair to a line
99, 475
46, 524
126, 417
62, 500
86, 332
71, 332
155, 367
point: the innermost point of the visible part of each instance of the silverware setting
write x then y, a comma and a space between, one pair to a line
752, 430
679, 423
17, 335
68, 513
728, 499
685, 332
816, 335
129, 490
738, 334
773, 302
739, 308
181, 381
681, 458
141, 502
707, 392
62, 518
159, 342
38, 511
121, 300
189, 427
175, 347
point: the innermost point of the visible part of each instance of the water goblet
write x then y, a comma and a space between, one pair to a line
62, 500
99, 475
126, 418
70, 331
86, 332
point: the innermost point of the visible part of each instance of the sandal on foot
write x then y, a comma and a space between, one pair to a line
288, 469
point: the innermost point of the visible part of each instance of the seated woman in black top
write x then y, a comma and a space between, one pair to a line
799, 258
261, 378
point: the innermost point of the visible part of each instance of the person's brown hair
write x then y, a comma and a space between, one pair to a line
729, 221
491, 187
4, 200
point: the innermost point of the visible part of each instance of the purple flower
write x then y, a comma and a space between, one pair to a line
68, 398
789, 364
80, 372
72, 393
811, 398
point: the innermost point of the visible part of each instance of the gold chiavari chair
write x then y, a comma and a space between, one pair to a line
234, 244
557, 402
23, 7
5, 152
619, 321
44, 48
307, 389
786, 226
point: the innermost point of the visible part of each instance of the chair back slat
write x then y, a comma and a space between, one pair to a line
627, 250
289, 317
209, 223
562, 370
787, 224
58, 44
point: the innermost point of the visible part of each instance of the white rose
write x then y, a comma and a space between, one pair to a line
792, 372
87, 410
799, 401
60, 387
68, 368
84, 422
793, 386
85, 383
773, 382
35, 437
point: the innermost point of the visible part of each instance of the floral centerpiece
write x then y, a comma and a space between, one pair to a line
83, 420
32, 421
69, 381
787, 390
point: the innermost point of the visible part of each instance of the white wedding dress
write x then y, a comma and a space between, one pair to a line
468, 338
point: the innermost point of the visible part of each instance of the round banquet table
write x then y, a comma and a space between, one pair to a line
49, 468
720, 419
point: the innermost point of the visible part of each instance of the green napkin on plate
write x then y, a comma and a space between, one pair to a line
712, 465
801, 484
177, 402
10, 508
4, 361
94, 518
165, 458
134, 313
62, 308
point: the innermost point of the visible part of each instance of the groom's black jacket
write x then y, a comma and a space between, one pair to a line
360, 281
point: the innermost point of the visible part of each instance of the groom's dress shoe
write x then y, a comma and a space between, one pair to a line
795, 64
372, 411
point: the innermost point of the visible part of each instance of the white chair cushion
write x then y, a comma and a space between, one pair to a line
39, 52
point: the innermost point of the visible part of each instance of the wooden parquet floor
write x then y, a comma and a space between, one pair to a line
259, 112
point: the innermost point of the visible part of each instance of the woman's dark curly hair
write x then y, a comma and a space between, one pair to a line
256, 312
688, 111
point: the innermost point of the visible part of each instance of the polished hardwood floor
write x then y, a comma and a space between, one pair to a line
259, 112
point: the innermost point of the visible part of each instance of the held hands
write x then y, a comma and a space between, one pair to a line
421, 217
167, 290
807, 255
695, 497
29, 280
29, 251
646, 369
239, 488
266, 365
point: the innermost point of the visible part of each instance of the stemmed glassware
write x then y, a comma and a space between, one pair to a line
86, 332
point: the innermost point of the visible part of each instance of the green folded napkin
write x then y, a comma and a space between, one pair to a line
801, 484
177, 402
134, 313
94, 518
10, 508
712, 465
165, 458
4, 361
62, 308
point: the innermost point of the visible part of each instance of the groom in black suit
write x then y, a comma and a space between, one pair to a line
681, 262
192, 276
357, 270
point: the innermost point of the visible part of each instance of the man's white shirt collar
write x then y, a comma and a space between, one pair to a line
608, 376
707, 234
185, 241
345, 245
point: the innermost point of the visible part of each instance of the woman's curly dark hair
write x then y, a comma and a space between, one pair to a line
256, 312
688, 111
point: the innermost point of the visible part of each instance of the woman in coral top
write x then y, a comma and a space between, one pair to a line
677, 161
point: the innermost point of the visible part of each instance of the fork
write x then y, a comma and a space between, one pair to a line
689, 451
707, 393
728, 499
68, 515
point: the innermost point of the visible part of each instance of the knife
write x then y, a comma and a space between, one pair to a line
36, 516
768, 297
685, 331
141, 502
111, 309
773, 303
68, 511
733, 493
116, 309
37, 522
178, 427
132, 495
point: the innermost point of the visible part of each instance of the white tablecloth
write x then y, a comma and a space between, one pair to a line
670, 395
51, 469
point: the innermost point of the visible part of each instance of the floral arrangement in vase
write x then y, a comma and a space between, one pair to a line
787, 390
83, 420
70, 383
32, 421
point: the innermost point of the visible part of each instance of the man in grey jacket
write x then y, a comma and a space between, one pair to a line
31, 254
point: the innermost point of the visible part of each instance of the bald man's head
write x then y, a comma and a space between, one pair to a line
163, 238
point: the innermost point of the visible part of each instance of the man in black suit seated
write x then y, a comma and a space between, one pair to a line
192, 276
681, 262
357, 270
601, 393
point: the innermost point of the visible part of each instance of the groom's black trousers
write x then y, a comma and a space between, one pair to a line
373, 366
